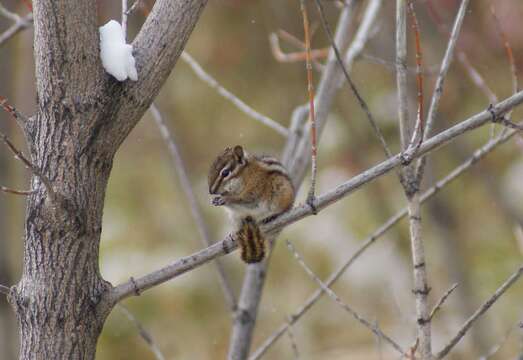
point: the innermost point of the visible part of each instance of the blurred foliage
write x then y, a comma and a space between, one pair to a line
469, 234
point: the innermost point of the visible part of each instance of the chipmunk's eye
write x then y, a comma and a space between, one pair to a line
225, 172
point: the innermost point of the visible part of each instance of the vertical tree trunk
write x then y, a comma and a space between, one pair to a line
57, 297
82, 117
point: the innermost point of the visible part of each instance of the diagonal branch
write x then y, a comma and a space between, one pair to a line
144, 334
16, 192
361, 101
442, 300
35, 170
481, 310
296, 157
477, 156
157, 48
193, 203
22, 24
374, 328
226, 94
438, 87
4, 290
227, 245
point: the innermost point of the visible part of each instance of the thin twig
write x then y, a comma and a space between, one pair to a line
361, 101
16, 192
494, 349
417, 134
401, 73
440, 185
4, 290
481, 310
144, 334
376, 330
312, 112
229, 244
291, 57
133, 7
20, 118
8, 14
18, 155
196, 212
293, 342
442, 300
438, 87
24, 23
246, 109
124, 19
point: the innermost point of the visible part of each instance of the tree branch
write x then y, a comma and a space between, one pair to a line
4, 290
375, 329
481, 310
35, 170
14, 29
298, 147
438, 87
144, 334
193, 203
156, 48
229, 243
16, 192
478, 155
226, 94
442, 300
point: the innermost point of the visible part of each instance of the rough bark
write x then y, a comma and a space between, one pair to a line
83, 115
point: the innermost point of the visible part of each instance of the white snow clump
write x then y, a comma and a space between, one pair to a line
117, 56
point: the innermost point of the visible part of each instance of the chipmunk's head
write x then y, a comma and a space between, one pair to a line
224, 175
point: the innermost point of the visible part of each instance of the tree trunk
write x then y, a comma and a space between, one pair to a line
83, 115
57, 297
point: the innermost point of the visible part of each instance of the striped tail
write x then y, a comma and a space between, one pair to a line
252, 244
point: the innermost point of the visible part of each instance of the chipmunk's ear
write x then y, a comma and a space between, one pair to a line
239, 155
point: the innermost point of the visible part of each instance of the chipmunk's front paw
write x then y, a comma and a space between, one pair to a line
218, 201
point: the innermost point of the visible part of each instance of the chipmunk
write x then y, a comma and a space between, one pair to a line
255, 189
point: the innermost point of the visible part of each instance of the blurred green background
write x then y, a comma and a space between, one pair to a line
472, 229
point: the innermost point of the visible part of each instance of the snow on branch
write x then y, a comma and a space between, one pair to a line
117, 56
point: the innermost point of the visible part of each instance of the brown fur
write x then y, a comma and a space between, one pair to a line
257, 189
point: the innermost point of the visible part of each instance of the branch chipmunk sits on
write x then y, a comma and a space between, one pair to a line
255, 190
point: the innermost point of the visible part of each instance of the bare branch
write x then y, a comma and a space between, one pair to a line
293, 342
478, 155
438, 87
8, 14
20, 118
35, 170
193, 203
144, 334
22, 24
229, 244
246, 109
157, 48
401, 72
16, 192
361, 101
283, 57
133, 7
442, 300
417, 134
124, 18
481, 310
297, 148
4, 290
312, 112
376, 330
